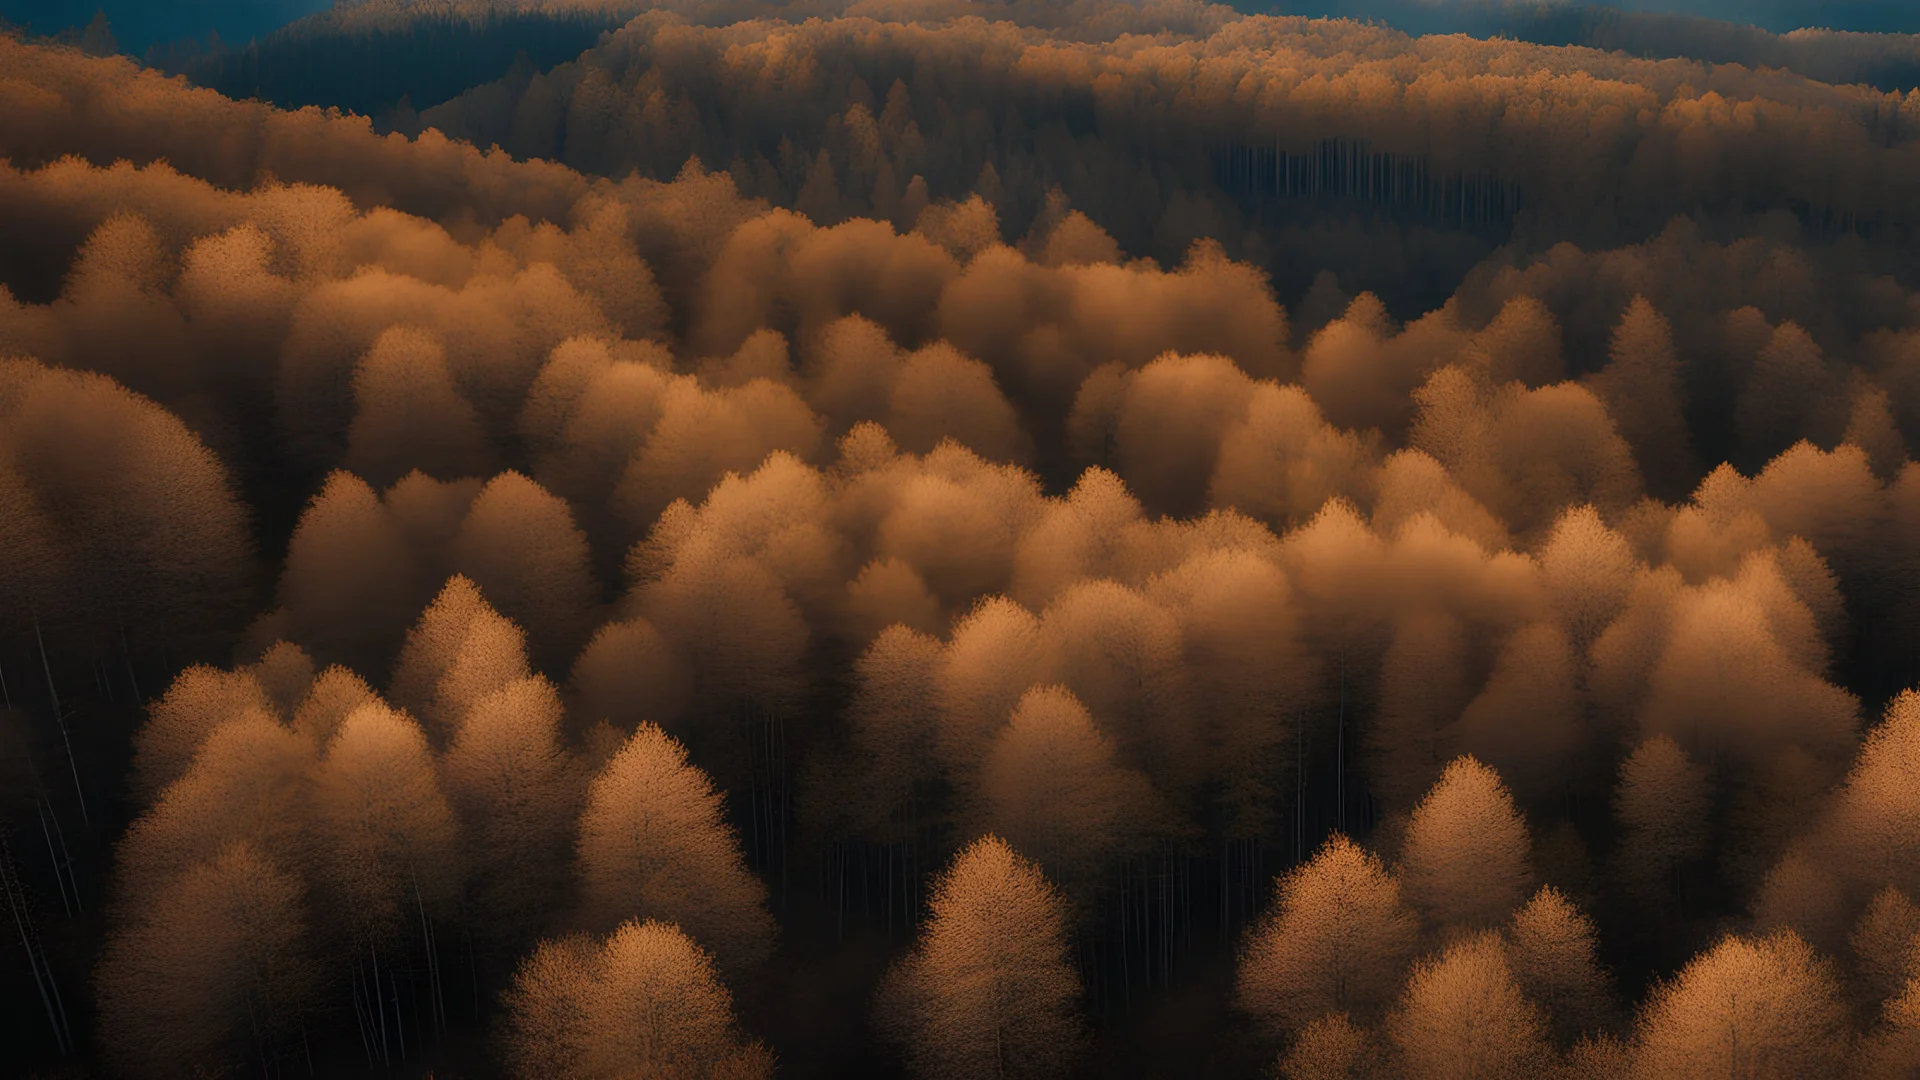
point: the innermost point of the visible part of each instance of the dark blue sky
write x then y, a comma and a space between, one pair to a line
138, 23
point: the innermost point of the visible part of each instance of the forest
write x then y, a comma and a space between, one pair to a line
727, 539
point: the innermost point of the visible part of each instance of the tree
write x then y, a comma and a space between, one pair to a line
940, 393
520, 546
1281, 461
1464, 1017
1551, 951
1876, 814
517, 793
851, 371
654, 844
1170, 424
1662, 806
1337, 940
1526, 721
1251, 676
388, 840
200, 699
143, 505
1465, 860
988, 991
1423, 689
993, 655
460, 651
1050, 787
332, 697
1588, 570
895, 720
249, 782
285, 672
1522, 344
408, 414
1641, 386
630, 674
1331, 1048
212, 973
646, 1002
352, 579
1886, 944
1790, 383
1757, 1009
1122, 654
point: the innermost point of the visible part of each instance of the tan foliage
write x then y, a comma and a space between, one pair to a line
988, 991
653, 844
1465, 861
1337, 940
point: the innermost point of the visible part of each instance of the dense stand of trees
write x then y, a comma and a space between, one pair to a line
389, 58
556, 618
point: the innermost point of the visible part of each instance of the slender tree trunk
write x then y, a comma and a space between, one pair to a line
43, 980
1340, 756
380, 1006
59, 878
60, 720
126, 655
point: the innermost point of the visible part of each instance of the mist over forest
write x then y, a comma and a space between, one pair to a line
602, 539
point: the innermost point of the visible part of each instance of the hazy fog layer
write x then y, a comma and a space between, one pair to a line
961, 540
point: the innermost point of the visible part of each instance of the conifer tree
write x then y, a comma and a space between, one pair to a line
1552, 955
988, 992
1337, 940
654, 844
1642, 389
1765, 1009
1051, 788
1465, 863
515, 790
212, 973
645, 1002
1465, 1018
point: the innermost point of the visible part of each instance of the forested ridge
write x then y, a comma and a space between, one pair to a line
957, 539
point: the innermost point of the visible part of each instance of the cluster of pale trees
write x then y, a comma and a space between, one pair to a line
675, 587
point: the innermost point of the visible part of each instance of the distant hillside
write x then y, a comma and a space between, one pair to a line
368, 58
1842, 54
